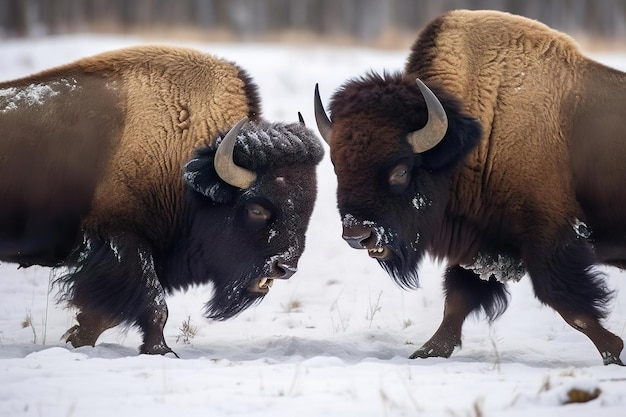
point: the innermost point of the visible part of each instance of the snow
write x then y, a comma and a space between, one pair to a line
333, 340
32, 95
503, 268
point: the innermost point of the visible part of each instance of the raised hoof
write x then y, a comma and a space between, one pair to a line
77, 338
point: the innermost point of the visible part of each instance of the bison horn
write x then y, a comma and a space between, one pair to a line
324, 125
224, 165
430, 135
301, 119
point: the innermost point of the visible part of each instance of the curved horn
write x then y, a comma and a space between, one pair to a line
430, 135
301, 119
324, 125
224, 164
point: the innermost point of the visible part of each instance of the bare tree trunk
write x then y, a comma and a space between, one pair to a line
17, 17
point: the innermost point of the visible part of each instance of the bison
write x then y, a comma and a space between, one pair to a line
135, 172
510, 163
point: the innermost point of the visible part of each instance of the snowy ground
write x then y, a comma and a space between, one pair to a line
332, 341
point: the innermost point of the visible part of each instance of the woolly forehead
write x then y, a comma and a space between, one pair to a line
388, 97
262, 145
371, 116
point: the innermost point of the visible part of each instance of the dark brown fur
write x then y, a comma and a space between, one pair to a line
538, 190
105, 165
52, 155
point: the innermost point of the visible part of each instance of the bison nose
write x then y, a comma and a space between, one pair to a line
356, 237
282, 270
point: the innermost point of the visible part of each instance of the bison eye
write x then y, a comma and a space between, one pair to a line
257, 216
399, 178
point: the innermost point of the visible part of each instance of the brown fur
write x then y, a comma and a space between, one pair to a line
170, 101
503, 68
535, 95
109, 174
57, 136
538, 191
92, 157
159, 83
550, 155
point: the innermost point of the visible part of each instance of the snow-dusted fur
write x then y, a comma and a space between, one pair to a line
539, 186
99, 182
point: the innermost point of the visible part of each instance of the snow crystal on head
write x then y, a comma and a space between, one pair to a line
420, 201
262, 144
581, 229
383, 236
285, 258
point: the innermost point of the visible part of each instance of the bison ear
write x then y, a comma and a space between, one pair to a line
201, 177
462, 136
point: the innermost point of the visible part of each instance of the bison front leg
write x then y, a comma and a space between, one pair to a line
465, 293
566, 282
154, 316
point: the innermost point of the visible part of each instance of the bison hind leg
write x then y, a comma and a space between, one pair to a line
565, 280
465, 293
112, 280
90, 326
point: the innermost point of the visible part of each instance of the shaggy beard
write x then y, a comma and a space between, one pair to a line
403, 266
227, 302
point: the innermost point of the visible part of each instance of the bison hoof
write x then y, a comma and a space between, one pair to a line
70, 335
610, 359
160, 349
77, 337
432, 351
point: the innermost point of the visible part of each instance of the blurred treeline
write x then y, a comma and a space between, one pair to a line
361, 20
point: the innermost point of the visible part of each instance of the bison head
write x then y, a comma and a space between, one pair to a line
251, 196
394, 145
